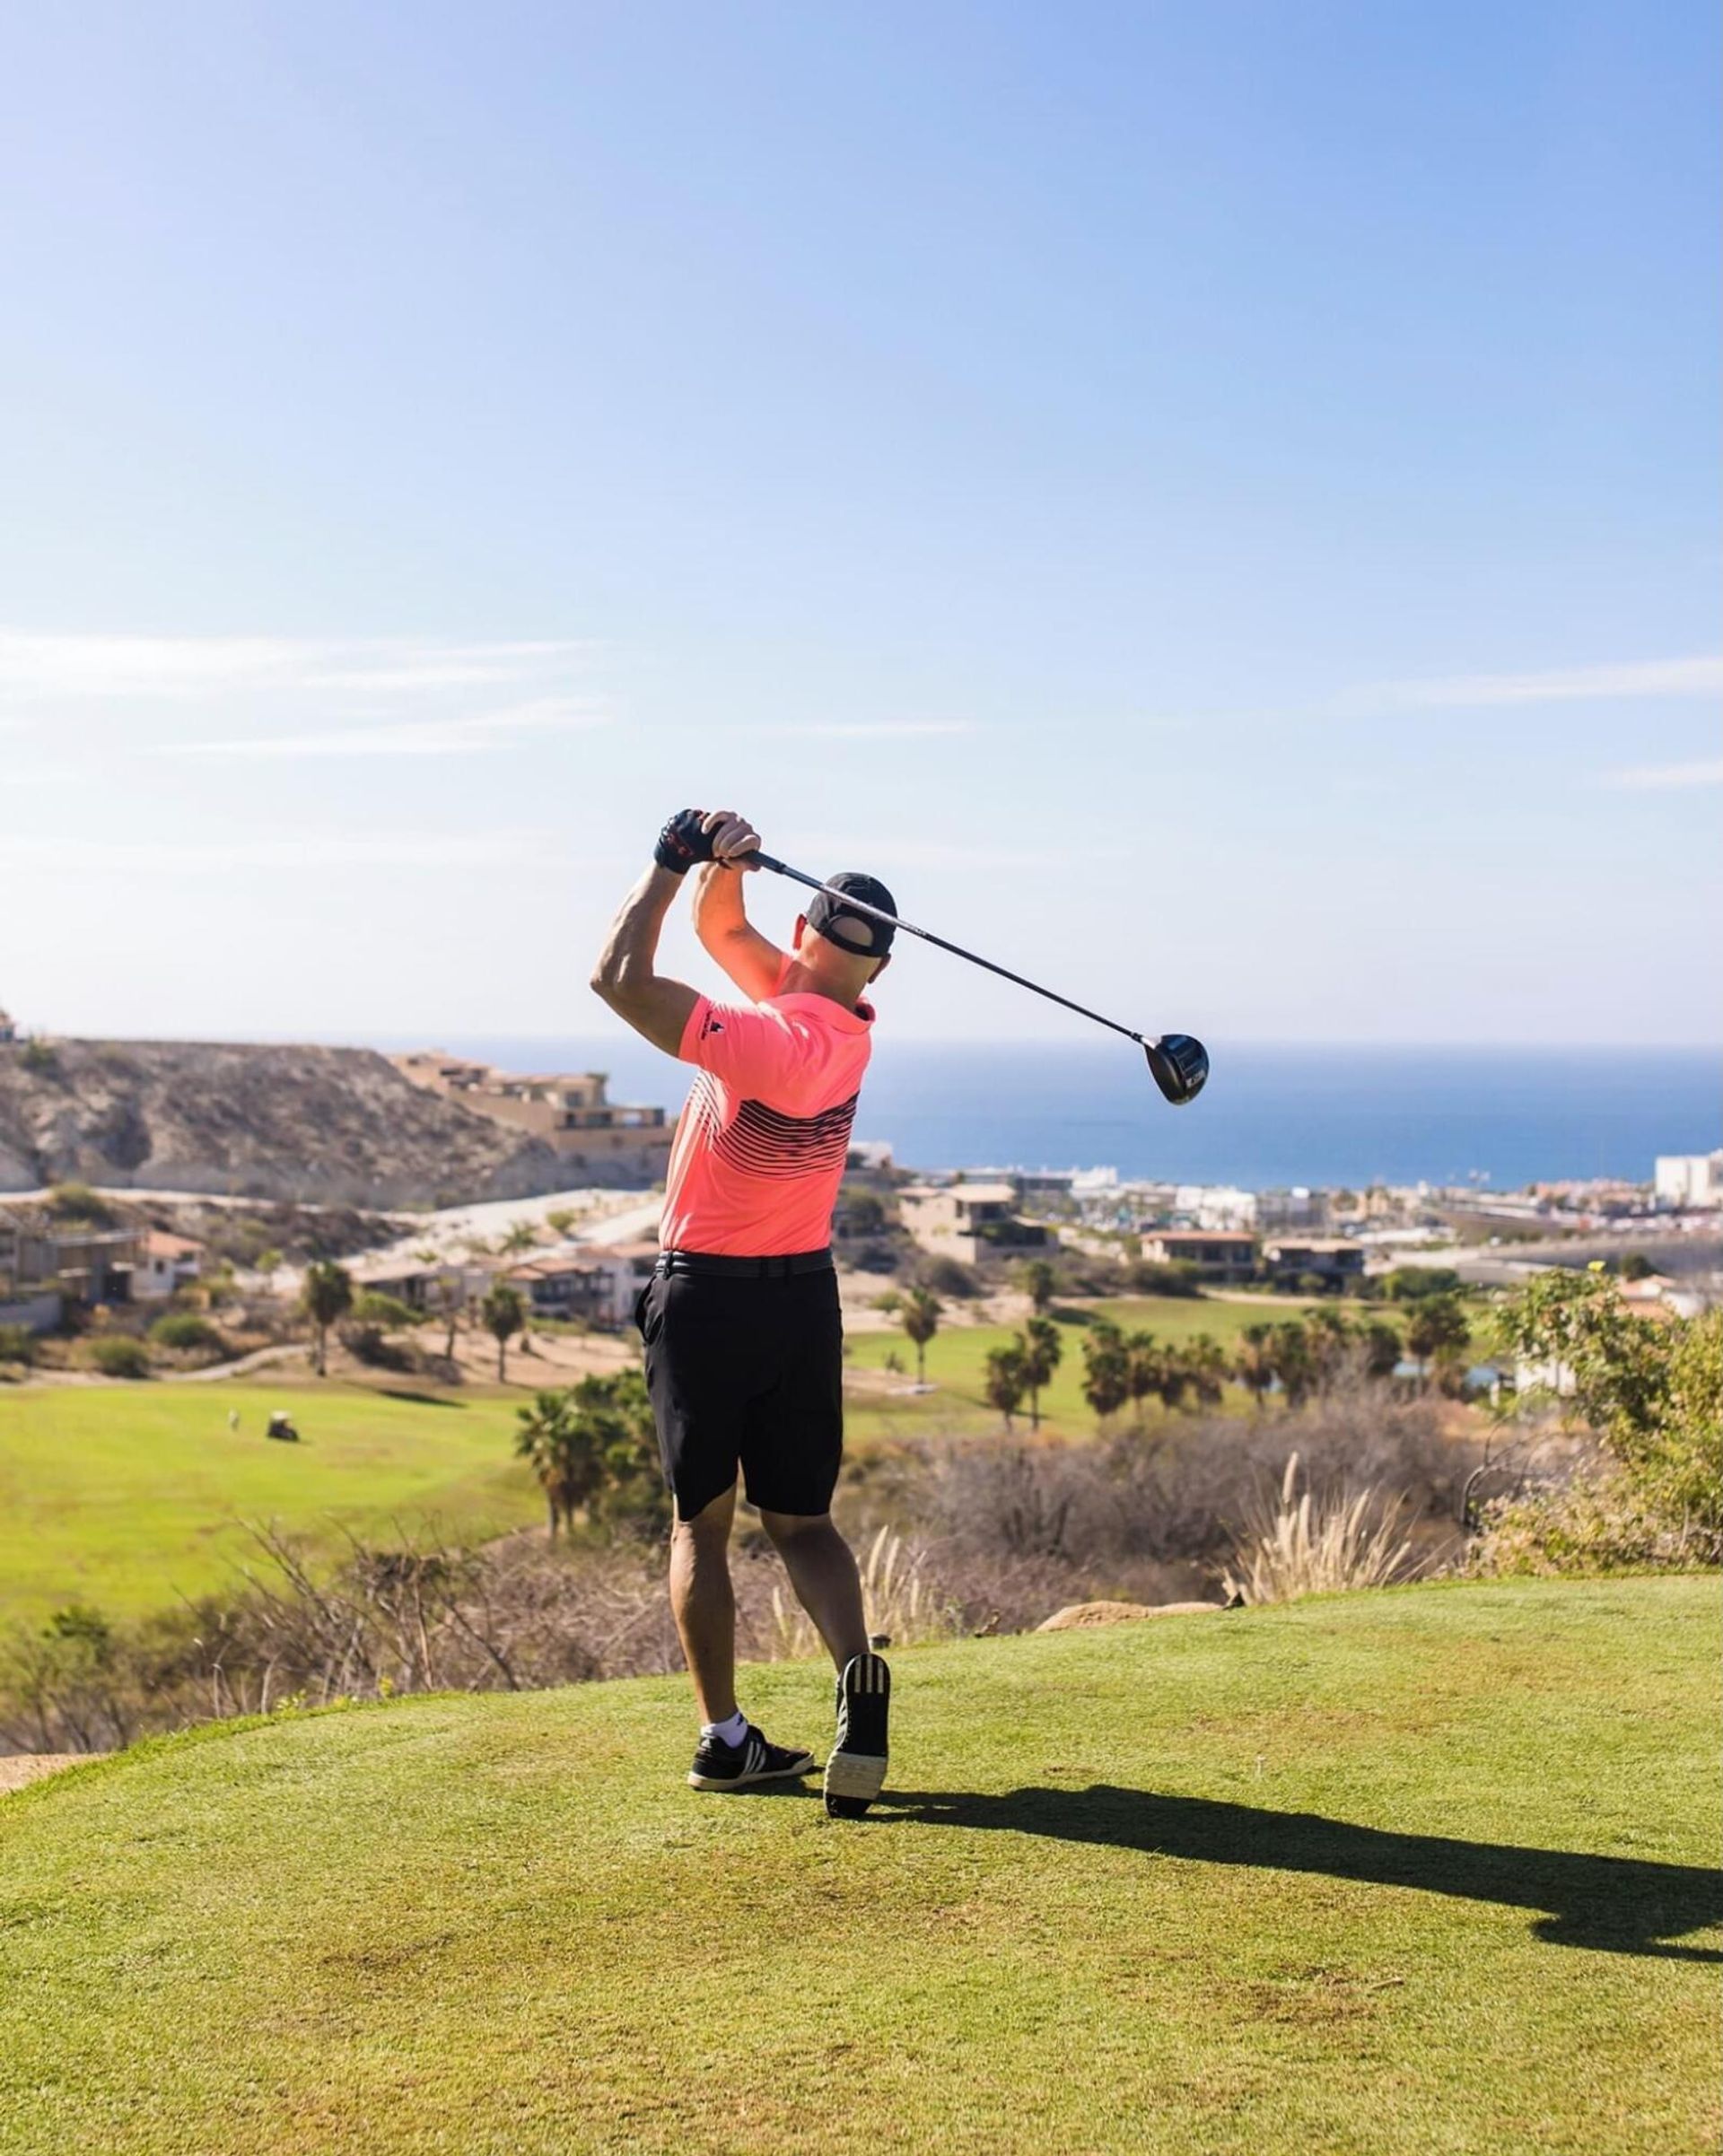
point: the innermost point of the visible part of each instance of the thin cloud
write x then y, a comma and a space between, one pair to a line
474, 736
99, 666
321, 849
1657, 778
1690, 678
862, 730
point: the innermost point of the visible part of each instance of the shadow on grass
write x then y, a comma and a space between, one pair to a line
1616, 1904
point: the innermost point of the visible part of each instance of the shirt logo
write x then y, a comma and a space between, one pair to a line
711, 1025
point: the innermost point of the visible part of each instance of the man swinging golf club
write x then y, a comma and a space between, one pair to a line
740, 1318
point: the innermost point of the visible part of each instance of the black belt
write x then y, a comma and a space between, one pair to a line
743, 1269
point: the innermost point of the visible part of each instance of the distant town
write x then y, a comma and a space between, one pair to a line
137, 1231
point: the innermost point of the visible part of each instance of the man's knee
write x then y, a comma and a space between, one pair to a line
709, 1528
787, 1527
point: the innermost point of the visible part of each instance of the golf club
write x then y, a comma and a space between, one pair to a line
1178, 1063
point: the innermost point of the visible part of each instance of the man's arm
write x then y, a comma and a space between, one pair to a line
753, 961
625, 975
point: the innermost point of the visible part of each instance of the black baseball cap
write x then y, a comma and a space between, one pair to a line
829, 916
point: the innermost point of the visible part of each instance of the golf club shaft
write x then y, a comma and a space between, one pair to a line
856, 905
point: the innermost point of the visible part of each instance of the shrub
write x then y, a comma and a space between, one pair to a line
39, 1060
17, 1344
1408, 1283
949, 1277
370, 1308
187, 1332
78, 1201
1653, 1393
117, 1354
1148, 1277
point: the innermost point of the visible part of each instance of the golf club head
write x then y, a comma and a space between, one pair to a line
1180, 1066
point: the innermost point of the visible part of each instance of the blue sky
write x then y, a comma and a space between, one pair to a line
1216, 504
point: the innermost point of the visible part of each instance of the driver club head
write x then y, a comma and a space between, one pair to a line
1180, 1066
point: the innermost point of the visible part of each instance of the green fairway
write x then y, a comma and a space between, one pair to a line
956, 1362
126, 1497
1404, 1872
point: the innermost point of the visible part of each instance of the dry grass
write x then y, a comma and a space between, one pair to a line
1321, 1542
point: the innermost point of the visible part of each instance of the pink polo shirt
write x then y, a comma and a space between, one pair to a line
761, 1147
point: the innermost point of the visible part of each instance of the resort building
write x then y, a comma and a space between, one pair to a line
971, 1220
1221, 1255
603, 1141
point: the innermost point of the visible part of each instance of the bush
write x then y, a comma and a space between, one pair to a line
77, 1202
1598, 1523
39, 1060
1409, 1283
1148, 1277
368, 1344
388, 1311
188, 1333
117, 1354
17, 1344
947, 1277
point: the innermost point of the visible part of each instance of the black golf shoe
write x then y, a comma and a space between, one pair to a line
855, 1773
745, 1765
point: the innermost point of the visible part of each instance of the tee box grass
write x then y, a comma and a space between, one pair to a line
1430, 1871
125, 1498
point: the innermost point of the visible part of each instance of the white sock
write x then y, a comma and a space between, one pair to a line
731, 1733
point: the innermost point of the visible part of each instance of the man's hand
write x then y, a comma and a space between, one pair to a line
684, 840
730, 836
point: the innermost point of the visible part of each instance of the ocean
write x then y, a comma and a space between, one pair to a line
1271, 1117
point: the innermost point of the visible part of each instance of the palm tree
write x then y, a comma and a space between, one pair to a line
1142, 1367
593, 1451
1254, 1366
1205, 1364
1329, 1336
519, 1235
1293, 1363
327, 1297
1106, 1372
449, 1299
919, 1316
1007, 1379
1436, 1328
1037, 1279
1383, 1348
503, 1314
1042, 1350
558, 1440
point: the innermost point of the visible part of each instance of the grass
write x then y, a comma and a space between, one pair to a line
957, 1361
1402, 1872
124, 1498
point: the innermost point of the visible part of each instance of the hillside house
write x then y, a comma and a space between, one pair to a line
165, 1264
41, 1260
971, 1220
595, 1286
1225, 1256
602, 1140
8, 1029
1331, 1260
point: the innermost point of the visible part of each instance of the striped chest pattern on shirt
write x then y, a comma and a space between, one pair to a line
759, 1140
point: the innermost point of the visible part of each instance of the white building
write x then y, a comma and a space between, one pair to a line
1690, 1181
1216, 1206
164, 1264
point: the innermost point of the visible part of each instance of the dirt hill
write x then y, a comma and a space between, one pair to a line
332, 1124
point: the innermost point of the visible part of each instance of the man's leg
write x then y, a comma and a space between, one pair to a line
705, 1604
822, 1571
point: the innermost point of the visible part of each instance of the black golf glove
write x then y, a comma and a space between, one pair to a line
682, 843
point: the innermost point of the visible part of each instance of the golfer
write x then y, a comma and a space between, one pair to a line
740, 1319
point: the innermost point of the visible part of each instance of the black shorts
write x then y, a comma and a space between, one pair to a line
747, 1373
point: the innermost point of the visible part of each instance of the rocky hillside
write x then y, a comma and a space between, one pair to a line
332, 1124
